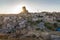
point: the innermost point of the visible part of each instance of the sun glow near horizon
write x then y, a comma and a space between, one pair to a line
18, 8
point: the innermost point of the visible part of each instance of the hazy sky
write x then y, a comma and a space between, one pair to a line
14, 6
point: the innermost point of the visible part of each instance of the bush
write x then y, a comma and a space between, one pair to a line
55, 25
48, 25
34, 22
1, 26
37, 28
58, 20
33, 36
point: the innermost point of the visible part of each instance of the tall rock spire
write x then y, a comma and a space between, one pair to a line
24, 10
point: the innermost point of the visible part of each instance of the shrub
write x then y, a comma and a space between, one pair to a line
58, 20
33, 36
55, 25
48, 25
37, 28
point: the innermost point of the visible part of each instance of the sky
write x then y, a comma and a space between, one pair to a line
14, 6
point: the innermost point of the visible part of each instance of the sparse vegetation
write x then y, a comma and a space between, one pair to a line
37, 29
49, 26
33, 36
0, 26
34, 22
58, 20
55, 25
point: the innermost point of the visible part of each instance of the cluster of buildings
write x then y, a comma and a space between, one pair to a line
18, 21
25, 22
44, 16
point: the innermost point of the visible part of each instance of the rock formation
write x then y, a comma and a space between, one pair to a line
24, 10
